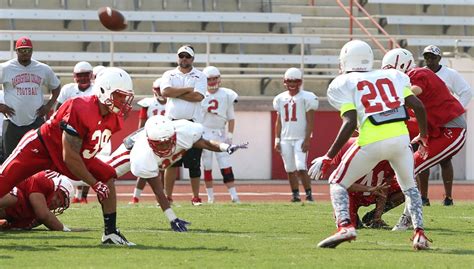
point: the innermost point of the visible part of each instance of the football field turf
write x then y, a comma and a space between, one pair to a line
249, 235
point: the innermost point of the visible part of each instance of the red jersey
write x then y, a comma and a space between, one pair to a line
83, 115
21, 215
441, 106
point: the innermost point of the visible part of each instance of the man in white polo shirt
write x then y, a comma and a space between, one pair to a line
22, 79
185, 88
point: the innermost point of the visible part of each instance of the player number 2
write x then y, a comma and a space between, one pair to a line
287, 112
213, 105
101, 138
368, 100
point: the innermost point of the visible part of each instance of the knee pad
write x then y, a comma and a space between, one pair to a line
227, 174
195, 172
208, 175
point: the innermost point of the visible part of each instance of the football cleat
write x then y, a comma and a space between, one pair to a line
116, 239
343, 234
295, 199
196, 201
210, 200
75, 200
425, 201
84, 200
134, 200
236, 201
448, 201
420, 241
309, 198
404, 223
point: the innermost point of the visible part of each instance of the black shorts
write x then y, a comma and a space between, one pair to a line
191, 159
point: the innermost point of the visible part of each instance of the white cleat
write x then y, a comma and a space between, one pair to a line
236, 201
343, 234
210, 201
116, 239
404, 223
420, 241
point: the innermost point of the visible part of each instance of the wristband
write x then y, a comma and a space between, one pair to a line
223, 147
277, 140
66, 229
170, 214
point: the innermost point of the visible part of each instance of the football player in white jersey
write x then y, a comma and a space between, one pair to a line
82, 85
149, 106
218, 111
374, 101
293, 130
160, 144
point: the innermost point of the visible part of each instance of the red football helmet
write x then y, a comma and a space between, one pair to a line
161, 135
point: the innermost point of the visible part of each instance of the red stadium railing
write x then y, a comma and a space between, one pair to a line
349, 12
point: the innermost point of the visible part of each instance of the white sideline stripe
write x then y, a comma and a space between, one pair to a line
126, 194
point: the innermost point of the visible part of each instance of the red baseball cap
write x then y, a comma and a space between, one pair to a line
23, 42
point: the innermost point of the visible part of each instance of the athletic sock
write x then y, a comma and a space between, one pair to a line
210, 193
233, 193
296, 193
110, 222
309, 192
137, 193
340, 202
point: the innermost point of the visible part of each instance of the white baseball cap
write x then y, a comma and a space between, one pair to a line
432, 49
186, 49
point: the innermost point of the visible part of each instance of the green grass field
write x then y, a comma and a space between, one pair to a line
256, 235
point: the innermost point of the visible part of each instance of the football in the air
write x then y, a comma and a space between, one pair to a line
112, 19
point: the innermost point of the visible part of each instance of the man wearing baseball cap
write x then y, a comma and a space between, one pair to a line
462, 90
22, 79
185, 88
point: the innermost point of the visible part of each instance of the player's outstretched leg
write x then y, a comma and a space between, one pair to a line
345, 231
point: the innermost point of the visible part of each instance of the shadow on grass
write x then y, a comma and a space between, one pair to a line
29, 248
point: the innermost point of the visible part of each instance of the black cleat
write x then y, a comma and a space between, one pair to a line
425, 201
448, 201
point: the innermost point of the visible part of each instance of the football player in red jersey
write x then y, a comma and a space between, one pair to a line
446, 123
69, 141
378, 187
37, 200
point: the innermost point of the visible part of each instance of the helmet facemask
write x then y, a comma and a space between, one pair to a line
163, 147
83, 80
213, 84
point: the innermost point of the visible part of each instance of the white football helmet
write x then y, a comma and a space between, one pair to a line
96, 70
82, 74
400, 59
114, 88
293, 75
64, 184
356, 55
213, 78
161, 135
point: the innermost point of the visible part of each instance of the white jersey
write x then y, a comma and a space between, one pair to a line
370, 92
218, 108
153, 106
292, 111
181, 109
146, 164
72, 90
456, 84
23, 88
2, 101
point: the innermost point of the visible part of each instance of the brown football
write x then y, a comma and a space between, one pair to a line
112, 19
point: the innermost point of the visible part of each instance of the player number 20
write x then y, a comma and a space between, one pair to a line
101, 138
379, 89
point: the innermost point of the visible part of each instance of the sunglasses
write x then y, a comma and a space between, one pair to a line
430, 56
24, 50
184, 55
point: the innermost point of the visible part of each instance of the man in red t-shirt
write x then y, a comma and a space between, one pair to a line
37, 200
69, 141
377, 187
446, 124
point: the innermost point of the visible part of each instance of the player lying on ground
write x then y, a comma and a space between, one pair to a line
160, 144
377, 187
35, 201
